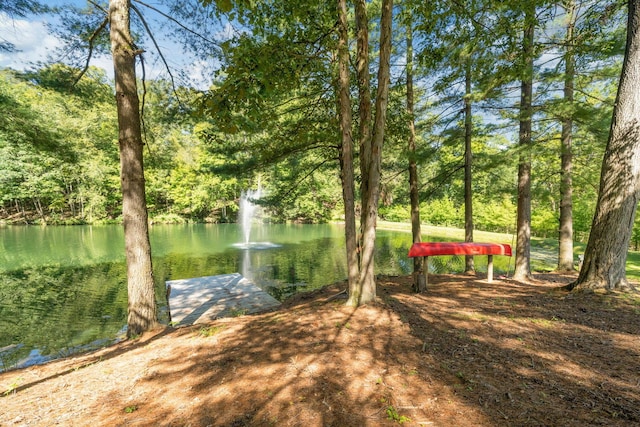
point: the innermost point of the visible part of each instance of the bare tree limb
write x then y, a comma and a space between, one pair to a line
92, 39
97, 6
175, 21
142, 104
155, 43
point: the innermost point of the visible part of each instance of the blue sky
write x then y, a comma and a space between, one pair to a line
33, 43
30, 39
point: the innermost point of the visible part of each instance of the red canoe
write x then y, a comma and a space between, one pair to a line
458, 248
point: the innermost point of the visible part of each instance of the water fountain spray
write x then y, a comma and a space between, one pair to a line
248, 211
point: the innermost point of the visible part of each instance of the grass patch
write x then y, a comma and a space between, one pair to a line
633, 266
393, 415
209, 331
12, 387
545, 323
238, 312
471, 316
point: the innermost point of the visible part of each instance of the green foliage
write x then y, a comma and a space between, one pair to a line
393, 415
209, 331
59, 157
60, 160
498, 215
60, 163
238, 312
168, 219
91, 89
270, 117
395, 213
544, 222
442, 212
14, 385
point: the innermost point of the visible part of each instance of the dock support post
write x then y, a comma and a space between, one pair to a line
489, 268
425, 268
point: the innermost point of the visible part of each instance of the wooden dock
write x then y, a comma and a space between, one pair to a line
203, 299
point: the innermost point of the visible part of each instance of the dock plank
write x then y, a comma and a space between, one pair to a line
203, 299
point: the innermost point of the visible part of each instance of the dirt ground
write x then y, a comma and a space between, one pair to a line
465, 353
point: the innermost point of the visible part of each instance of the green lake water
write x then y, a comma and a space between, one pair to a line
63, 289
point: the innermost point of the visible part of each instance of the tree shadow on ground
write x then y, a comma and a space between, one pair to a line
530, 355
288, 367
465, 353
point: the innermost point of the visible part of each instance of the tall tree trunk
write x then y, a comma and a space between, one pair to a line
419, 283
367, 260
364, 107
522, 269
565, 238
142, 314
605, 257
346, 152
468, 161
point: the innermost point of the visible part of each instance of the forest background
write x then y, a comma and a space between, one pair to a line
267, 121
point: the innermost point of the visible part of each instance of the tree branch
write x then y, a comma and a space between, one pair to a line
178, 23
97, 6
95, 34
296, 185
155, 43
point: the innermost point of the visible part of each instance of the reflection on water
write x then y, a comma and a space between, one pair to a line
255, 245
63, 289
53, 311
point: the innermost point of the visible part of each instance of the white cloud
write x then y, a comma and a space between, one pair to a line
104, 62
32, 42
200, 75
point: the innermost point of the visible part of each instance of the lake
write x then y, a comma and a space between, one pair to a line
63, 289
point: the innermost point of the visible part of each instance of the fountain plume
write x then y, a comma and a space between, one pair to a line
248, 211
